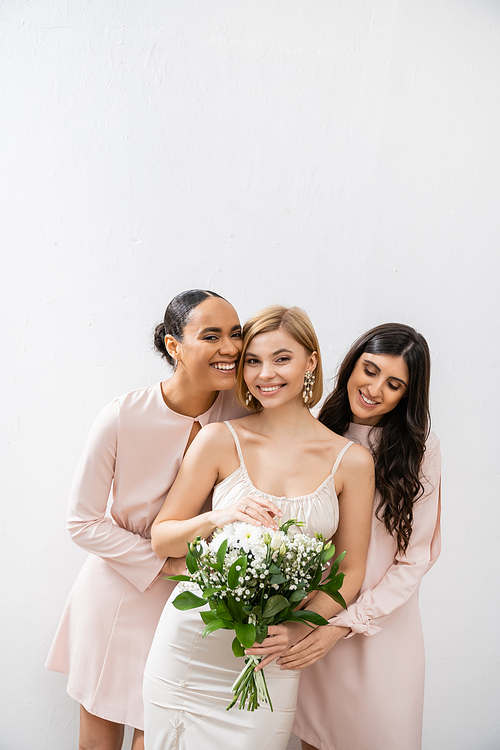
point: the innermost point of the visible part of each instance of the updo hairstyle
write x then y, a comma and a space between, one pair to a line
296, 323
177, 317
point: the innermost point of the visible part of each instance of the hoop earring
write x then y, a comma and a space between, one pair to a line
248, 397
309, 381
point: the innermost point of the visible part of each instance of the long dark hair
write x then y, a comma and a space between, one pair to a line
176, 318
399, 451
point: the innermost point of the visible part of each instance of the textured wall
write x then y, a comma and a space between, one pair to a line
340, 156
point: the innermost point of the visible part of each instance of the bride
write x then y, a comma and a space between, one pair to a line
279, 462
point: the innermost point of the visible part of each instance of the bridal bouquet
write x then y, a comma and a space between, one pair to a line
253, 578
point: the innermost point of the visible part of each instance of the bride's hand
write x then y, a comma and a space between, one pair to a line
174, 566
280, 638
258, 511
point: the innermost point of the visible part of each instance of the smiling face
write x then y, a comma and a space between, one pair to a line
274, 368
210, 346
377, 384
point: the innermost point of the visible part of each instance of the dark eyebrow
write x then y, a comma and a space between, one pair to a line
391, 377
214, 329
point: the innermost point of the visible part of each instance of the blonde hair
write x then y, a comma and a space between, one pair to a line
296, 323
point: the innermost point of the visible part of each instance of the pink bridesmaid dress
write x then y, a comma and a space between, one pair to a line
367, 692
130, 460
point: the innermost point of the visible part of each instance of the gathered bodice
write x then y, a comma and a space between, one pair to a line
319, 509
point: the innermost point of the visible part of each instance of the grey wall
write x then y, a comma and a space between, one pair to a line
339, 156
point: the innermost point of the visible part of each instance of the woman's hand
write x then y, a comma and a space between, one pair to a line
313, 647
258, 511
279, 640
174, 566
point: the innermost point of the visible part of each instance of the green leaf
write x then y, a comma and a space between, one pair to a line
328, 553
274, 605
208, 616
233, 575
274, 570
334, 569
191, 562
337, 597
214, 625
223, 611
176, 578
238, 649
246, 634
309, 616
188, 600
297, 596
208, 592
339, 559
261, 632
213, 565
221, 553
277, 579
291, 522
236, 610
337, 580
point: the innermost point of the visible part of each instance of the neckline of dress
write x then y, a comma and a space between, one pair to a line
185, 416
242, 467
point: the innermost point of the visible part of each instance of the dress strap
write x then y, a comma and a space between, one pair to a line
340, 456
236, 441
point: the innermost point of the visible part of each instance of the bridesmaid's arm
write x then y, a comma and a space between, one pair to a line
89, 527
403, 577
355, 505
210, 458
399, 583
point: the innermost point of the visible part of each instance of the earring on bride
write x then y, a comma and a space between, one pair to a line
248, 397
309, 381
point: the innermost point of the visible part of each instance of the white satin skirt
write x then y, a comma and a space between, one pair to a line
187, 688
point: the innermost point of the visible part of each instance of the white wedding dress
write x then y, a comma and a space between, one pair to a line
188, 679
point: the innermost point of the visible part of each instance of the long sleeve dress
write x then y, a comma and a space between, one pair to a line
131, 458
367, 692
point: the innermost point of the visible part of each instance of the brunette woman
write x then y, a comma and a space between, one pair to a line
366, 693
277, 462
135, 449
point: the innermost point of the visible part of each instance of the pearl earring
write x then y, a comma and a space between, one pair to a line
248, 397
309, 381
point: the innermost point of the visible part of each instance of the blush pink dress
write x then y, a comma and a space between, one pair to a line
134, 451
367, 692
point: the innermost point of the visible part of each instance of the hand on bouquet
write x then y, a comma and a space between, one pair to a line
313, 647
279, 640
258, 511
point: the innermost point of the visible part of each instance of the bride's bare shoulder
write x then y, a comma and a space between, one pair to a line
357, 457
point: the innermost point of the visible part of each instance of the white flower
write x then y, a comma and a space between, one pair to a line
217, 540
276, 540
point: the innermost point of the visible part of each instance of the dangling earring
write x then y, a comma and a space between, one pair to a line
309, 381
248, 397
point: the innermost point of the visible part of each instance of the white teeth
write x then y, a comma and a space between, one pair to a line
367, 400
220, 366
269, 389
